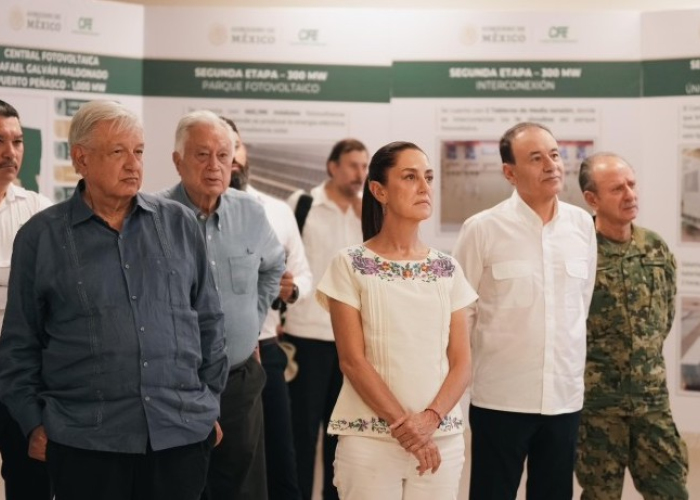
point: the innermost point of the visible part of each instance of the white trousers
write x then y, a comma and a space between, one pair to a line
380, 469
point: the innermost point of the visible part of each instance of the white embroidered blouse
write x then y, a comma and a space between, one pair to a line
406, 308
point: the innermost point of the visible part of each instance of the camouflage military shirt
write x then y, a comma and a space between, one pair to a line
630, 316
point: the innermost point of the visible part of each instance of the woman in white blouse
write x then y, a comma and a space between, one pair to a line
398, 309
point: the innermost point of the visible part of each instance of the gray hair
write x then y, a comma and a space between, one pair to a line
585, 173
199, 117
92, 113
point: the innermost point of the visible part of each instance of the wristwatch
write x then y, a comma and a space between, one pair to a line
295, 294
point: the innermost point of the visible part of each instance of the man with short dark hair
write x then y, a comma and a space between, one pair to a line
112, 351
626, 420
25, 478
531, 259
332, 223
247, 262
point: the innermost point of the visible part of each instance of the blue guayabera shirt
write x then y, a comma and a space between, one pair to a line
247, 262
113, 339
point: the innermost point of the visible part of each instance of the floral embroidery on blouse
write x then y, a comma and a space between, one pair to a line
451, 423
380, 426
428, 270
376, 425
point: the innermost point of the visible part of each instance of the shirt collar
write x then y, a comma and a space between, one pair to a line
638, 246
80, 211
320, 197
182, 196
631, 248
525, 211
254, 193
13, 192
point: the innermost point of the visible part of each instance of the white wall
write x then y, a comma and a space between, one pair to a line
491, 5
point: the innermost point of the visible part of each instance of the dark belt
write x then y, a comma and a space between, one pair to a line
266, 342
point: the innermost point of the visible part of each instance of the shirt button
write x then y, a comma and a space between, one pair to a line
133, 297
213, 262
209, 236
145, 364
126, 266
147, 398
142, 329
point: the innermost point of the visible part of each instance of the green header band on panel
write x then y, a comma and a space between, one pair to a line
296, 82
486, 79
64, 71
673, 77
56, 70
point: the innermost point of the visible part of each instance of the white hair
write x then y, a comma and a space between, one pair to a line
199, 117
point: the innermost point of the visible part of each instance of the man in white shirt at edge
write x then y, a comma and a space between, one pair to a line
280, 457
25, 478
532, 260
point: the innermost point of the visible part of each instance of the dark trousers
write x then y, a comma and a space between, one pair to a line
174, 474
25, 478
501, 441
313, 394
237, 469
280, 457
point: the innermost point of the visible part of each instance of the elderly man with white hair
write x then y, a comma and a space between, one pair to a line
247, 262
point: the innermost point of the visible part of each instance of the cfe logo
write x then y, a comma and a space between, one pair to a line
308, 35
85, 26
559, 32
85, 23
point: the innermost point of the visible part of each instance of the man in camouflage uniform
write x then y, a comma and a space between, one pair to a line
626, 419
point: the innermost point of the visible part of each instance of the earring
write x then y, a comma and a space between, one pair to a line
383, 209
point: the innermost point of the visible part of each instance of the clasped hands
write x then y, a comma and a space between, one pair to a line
414, 433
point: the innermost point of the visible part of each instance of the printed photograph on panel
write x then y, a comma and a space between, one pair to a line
690, 195
471, 178
64, 175
690, 344
279, 169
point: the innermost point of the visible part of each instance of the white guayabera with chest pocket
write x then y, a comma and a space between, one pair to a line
528, 327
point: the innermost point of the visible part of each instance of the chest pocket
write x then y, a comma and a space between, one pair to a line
606, 277
244, 273
513, 283
576, 279
654, 275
